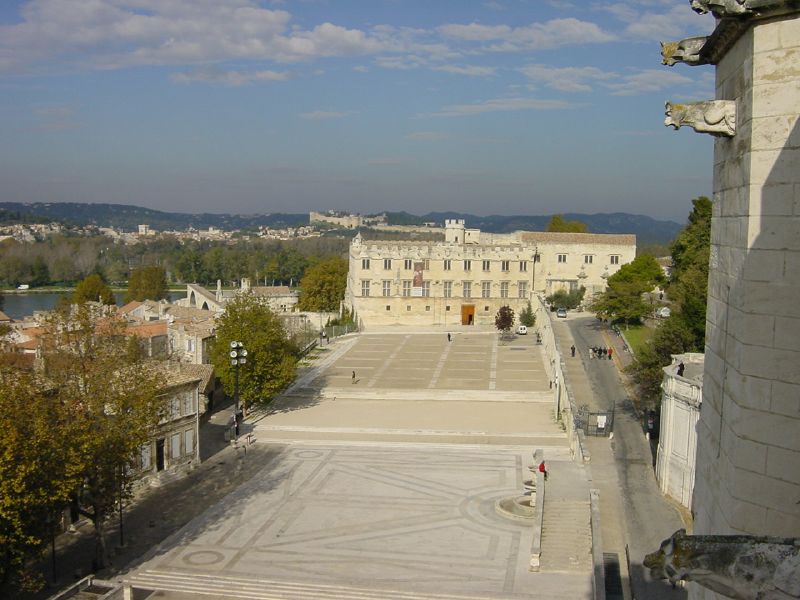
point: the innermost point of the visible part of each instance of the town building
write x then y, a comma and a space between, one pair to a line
466, 278
346, 220
681, 397
279, 298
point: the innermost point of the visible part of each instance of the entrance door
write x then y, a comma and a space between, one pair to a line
467, 314
160, 454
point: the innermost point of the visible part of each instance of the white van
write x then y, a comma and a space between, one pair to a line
522, 330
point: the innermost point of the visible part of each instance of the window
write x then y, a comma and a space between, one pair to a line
504, 265
562, 258
467, 289
188, 404
365, 263
467, 265
428, 308
188, 441
447, 264
523, 289
426, 264
190, 344
387, 287
408, 307
175, 445
387, 263
365, 288
504, 289
146, 464
407, 264
486, 308
406, 287
486, 265
614, 259
174, 408
448, 289
537, 257
486, 289
523, 266
447, 308
388, 307
426, 288
587, 259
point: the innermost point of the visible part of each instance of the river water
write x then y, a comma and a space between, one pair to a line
18, 306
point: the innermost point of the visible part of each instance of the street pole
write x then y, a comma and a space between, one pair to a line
238, 356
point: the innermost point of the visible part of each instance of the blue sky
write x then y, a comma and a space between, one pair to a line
488, 107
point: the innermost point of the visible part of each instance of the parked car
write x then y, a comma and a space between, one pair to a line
561, 313
522, 330
663, 312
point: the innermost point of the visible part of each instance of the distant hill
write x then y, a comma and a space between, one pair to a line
646, 229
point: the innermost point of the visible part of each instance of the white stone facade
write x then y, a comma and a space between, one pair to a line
468, 277
677, 442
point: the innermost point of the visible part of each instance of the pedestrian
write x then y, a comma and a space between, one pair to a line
448, 336
603, 351
681, 367
543, 470
572, 349
591, 352
610, 352
354, 377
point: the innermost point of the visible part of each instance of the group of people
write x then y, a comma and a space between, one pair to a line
601, 352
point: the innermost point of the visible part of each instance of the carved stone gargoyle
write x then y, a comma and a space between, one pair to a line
717, 117
685, 51
742, 567
721, 8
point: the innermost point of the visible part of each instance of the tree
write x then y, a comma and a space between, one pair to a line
558, 224
623, 299
114, 400
147, 283
323, 285
92, 289
40, 274
563, 298
271, 357
527, 316
504, 319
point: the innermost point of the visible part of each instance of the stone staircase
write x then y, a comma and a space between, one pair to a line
566, 528
262, 589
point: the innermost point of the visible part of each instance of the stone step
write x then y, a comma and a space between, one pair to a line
263, 589
435, 395
566, 536
264, 433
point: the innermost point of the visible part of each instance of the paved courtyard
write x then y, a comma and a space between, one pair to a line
386, 487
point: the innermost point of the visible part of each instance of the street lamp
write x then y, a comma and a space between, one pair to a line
238, 356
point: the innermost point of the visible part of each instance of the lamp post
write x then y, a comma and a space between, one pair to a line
238, 356
533, 281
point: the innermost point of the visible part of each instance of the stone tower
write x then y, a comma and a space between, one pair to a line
748, 457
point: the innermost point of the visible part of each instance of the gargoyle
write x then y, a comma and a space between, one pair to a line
720, 8
742, 567
717, 117
685, 51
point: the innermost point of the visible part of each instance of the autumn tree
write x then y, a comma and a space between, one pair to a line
147, 283
504, 319
115, 401
271, 358
323, 285
92, 289
559, 224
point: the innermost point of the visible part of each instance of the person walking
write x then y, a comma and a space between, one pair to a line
448, 336
543, 470
681, 367
572, 349
610, 352
354, 377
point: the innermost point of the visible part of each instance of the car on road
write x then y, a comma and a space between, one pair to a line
561, 313
522, 330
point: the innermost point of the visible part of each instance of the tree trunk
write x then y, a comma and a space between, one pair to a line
100, 553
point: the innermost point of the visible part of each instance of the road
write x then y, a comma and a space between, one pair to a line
633, 509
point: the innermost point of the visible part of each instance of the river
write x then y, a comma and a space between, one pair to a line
18, 305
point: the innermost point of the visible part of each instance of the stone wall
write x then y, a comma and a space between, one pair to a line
748, 461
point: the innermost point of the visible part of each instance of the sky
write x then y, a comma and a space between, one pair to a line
530, 107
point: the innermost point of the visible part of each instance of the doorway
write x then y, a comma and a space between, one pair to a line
467, 314
160, 454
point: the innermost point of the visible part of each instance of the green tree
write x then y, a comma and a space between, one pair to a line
623, 300
147, 283
527, 316
271, 358
40, 274
323, 285
115, 400
563, 298
504, 319
559, 224
92, 289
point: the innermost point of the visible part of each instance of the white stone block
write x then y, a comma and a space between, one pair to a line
760, 490
766, 297
783, 464
763, 265
774, 99
743, 516
780, 66
745, 454
783, 523
766, 38
787, 334
775, 233
774, 166
772, 199
749, 392
789, 33
791, 266
762, 427
772, 133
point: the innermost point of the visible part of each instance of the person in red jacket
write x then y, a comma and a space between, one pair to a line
543, 469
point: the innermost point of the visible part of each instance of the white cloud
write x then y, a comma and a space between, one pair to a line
227, 78
658, 20
472, 71
567, 79
319, 115
500, 105
360, 69
536, 36
427, 136
55, 118
650, 80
